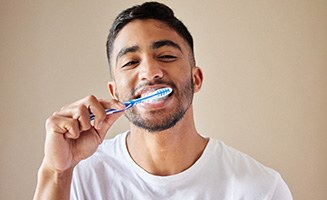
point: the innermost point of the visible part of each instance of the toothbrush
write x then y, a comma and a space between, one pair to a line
129, 104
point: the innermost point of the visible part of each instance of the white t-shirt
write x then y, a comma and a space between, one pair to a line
221, 173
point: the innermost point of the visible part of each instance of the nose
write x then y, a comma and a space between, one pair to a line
150, 70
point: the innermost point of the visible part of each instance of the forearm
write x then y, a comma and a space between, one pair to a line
53, 185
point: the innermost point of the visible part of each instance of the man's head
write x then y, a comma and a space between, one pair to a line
147, 53
148, 10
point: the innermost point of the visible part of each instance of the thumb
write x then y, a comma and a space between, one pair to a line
107, 123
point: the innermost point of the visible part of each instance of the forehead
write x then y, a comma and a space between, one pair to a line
143, 33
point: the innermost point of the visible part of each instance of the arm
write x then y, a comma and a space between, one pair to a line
70, 138
53, 185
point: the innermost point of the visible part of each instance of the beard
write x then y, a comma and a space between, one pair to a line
160, 120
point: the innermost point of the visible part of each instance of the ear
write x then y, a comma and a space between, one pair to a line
197, 77
112, 89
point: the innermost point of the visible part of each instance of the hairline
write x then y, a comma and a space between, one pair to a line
189, 47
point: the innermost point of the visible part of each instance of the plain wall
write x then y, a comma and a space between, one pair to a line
264, 92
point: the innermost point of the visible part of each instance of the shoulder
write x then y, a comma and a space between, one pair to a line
247, 174
238, 161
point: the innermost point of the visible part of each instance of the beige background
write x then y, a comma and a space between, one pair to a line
264, 93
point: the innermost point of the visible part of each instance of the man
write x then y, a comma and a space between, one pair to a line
162, 156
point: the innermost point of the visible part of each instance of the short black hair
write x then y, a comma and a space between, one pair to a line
148, 10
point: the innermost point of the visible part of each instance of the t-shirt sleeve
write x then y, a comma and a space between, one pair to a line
282, 191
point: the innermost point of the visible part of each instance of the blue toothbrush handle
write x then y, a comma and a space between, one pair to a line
110, 111
128, 104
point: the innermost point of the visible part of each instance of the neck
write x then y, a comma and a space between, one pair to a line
168, 152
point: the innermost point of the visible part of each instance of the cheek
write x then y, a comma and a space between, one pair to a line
182, 75
124, 86
122, 79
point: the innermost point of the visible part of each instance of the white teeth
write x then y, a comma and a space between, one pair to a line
153, 96
146, 94
156, 99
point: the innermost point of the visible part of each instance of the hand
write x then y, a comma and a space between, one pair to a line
71, 137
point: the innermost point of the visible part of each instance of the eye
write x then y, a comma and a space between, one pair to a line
167, 58
130, 64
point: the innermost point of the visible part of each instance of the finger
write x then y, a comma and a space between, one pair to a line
108, 122
72, 127
66, 126
109, 104
112, 103
80, 113
83, 117
95, 107
82, 109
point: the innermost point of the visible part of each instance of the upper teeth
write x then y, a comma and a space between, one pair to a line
146, 94
155, 99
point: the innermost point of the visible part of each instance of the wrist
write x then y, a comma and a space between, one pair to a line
52, 184
55, 176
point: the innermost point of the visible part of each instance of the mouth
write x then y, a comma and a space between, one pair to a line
147, 91
155, 99
144, 92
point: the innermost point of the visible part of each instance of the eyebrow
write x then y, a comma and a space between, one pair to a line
161, 43
127, 50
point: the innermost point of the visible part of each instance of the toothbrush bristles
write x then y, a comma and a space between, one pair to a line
156, 94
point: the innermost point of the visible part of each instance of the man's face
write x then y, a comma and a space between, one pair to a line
149, 55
